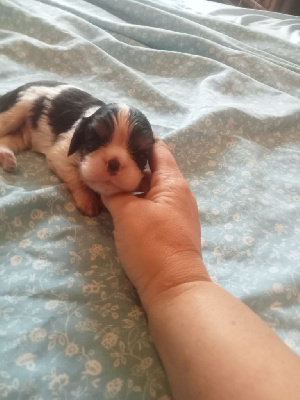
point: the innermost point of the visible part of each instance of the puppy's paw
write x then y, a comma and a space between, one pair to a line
7, 159
88, 202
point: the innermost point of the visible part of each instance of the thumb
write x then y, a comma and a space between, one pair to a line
117, 203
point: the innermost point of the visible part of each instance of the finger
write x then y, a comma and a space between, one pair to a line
165, 171
162, 160
116, 203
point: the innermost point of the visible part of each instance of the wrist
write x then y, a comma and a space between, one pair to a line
174, 277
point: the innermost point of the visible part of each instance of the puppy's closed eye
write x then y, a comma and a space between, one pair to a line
141, 138
92, 142
89, 136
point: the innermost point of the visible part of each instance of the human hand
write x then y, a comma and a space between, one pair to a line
198, 328
158, 237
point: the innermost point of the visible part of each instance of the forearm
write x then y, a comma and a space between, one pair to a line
214, 347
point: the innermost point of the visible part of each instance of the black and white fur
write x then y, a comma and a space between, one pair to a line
96, 148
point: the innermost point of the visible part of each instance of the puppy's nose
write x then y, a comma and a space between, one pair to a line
113, 166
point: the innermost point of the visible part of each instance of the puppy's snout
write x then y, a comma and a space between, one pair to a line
113, 166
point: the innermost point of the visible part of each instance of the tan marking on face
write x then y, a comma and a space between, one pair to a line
94, 167
122, 129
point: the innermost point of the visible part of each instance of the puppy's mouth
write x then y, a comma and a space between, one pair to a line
107, 188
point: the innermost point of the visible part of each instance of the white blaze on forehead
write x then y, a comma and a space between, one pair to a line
122, 128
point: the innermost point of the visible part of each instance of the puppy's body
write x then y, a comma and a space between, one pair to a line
95, 148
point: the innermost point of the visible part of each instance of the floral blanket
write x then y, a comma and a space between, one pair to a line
221, 86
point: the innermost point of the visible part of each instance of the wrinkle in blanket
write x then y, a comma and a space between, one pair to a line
221, 86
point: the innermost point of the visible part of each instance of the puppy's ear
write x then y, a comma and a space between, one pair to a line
78, 136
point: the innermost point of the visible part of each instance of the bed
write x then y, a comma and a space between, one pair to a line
221, 86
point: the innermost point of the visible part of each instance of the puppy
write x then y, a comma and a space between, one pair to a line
96, 148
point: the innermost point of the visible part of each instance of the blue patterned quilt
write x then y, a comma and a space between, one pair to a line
221, 86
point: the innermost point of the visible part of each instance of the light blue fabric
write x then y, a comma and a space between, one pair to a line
221, 85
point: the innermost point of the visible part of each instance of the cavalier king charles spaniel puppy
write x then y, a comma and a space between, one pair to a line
96, 148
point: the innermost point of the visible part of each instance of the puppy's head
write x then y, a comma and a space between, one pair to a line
114, 145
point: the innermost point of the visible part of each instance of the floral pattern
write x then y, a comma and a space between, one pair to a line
225, 97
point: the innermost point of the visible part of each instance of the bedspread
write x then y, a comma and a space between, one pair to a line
221, 86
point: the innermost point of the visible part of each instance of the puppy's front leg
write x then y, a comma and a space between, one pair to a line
86, 200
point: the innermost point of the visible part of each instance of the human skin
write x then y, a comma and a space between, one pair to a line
212, 346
